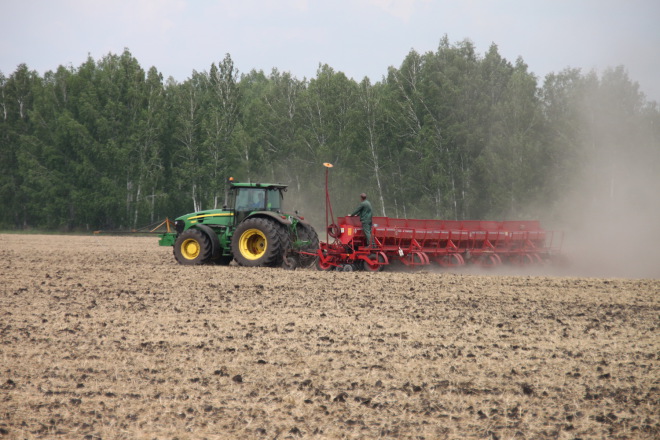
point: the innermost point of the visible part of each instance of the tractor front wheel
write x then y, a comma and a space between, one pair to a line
193, 247
259, 242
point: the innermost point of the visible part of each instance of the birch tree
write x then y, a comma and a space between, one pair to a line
187, 166
220, 121
148, 155
369, 100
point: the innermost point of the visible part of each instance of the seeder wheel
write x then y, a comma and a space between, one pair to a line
451, 260
324, 265
378, 265
522, 259
418, 259
489, 261
289, 262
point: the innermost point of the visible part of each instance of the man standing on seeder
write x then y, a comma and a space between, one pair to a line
364, 211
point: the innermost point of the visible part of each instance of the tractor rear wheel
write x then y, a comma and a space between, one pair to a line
307, 234
193, 247
259, 242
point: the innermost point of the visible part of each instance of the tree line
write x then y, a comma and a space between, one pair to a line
448, 134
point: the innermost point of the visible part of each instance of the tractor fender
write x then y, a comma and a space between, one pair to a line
304, 222
215, 241
281, 218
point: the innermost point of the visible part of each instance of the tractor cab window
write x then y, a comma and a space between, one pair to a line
250, 199
258, 199
273, 200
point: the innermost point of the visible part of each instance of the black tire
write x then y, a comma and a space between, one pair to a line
193, 247
308, 234
223, 260
259, 242
289, 262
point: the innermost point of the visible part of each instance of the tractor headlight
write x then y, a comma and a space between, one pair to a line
179, 225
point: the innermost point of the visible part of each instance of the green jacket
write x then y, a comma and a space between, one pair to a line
364, 211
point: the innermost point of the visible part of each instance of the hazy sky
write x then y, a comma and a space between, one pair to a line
358, 37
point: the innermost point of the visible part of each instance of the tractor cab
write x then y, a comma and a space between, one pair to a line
246, 198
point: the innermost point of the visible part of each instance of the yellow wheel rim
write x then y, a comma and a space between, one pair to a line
252, 244
190, 249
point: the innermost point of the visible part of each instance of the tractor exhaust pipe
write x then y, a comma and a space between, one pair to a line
227, 185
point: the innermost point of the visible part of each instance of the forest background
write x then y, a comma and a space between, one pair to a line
448, 134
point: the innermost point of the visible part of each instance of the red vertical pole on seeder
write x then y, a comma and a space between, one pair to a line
328, 205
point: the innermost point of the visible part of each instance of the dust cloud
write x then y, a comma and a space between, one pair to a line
613, 222
611, 214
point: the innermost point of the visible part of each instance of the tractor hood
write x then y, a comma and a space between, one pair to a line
211, 216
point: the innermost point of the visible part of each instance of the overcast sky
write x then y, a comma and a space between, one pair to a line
358, 37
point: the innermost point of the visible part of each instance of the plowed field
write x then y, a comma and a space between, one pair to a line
108, 338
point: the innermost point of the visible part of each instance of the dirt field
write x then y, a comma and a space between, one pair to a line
107, 338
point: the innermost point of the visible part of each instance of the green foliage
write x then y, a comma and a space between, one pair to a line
448, 134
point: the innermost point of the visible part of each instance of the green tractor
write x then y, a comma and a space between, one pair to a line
251, 229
